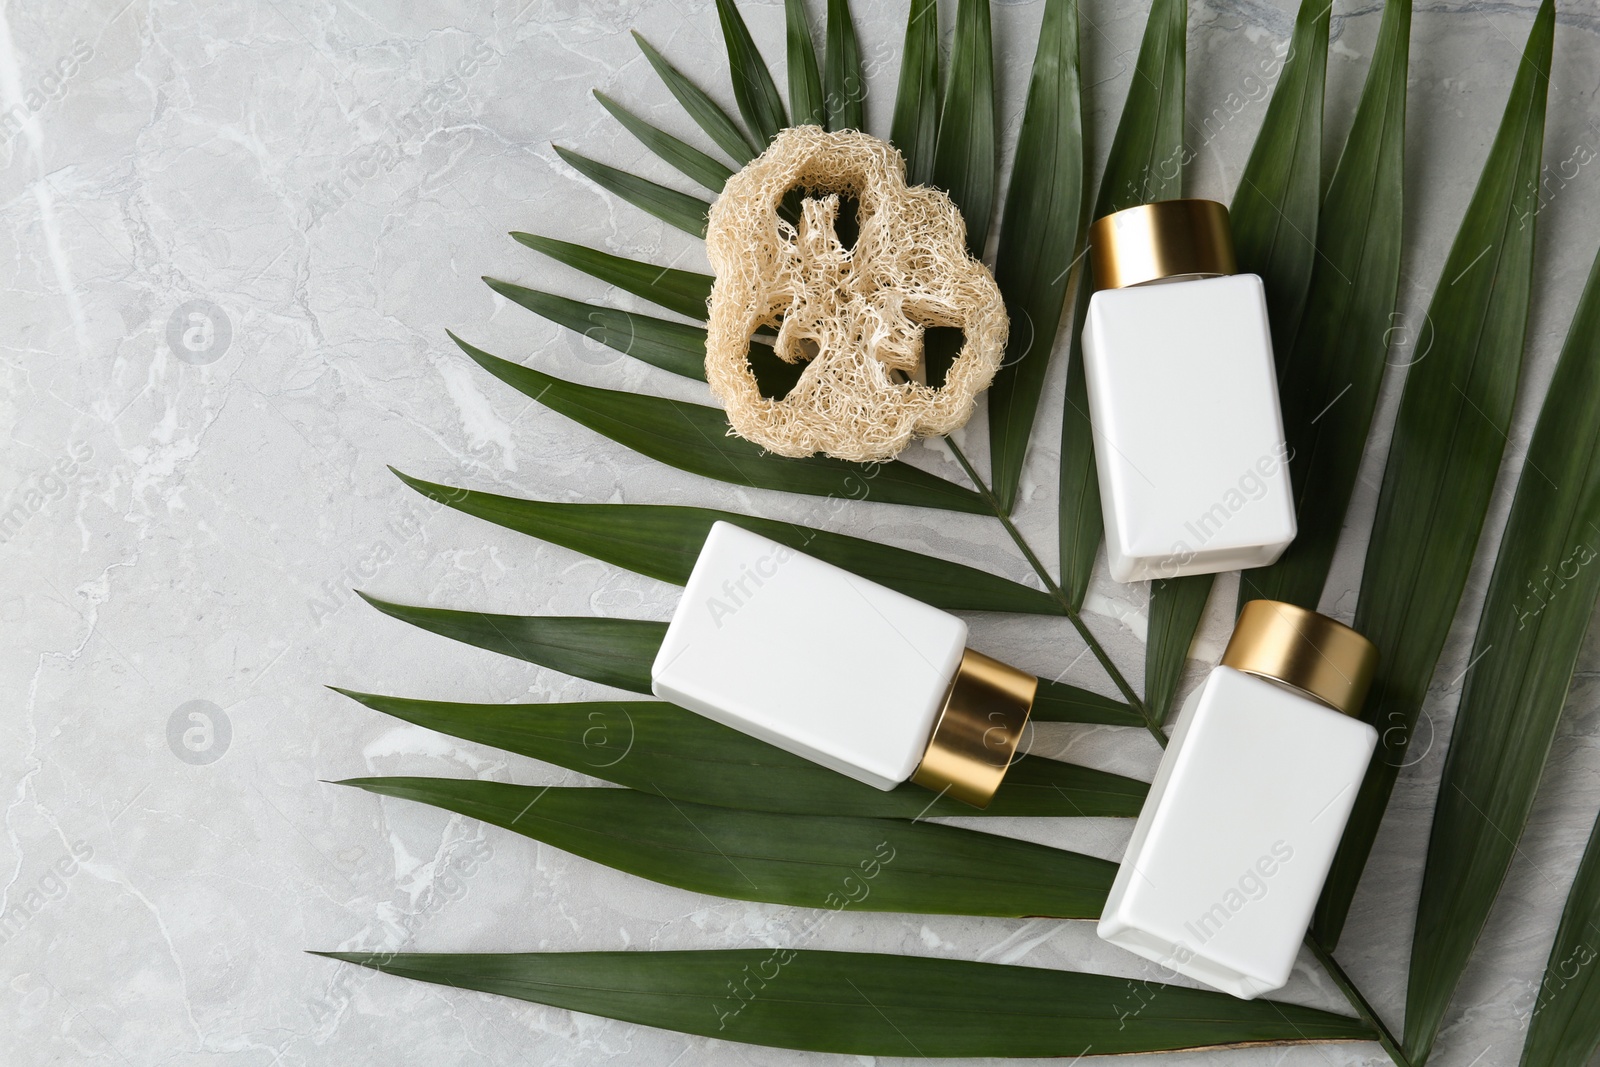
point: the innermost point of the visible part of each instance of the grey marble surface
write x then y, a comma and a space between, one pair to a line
188, 506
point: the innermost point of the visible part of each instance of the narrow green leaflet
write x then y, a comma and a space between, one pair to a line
1059, 702
614, 652
1040, 236
674, 346
805, 80
808, 861
705, 112
846, 85
1080, 525
619, 652
1329, 377
1540, 600
695, 438
657, 747
1448, 439
1274, 212
964, 158
915, 128
682, 291
1274, 222
753, 88
1176, 607
1147, 155
689, 160
1145, 163
663, 541
870, 1004
1565, 1028
687, 213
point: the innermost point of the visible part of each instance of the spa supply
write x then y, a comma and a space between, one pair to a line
1229, 854
855, 315
840, 670
1177, 358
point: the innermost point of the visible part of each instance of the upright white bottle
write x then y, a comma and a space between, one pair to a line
1177, 358
1235, 839
840, 670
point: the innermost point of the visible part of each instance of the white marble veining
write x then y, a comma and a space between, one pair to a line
232, 238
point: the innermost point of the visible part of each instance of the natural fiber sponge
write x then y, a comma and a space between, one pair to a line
855, 315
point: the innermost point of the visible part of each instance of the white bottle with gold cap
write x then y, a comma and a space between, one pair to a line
840, 670
1177, 358
1229, 854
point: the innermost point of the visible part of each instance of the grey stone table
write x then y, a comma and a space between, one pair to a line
233, 237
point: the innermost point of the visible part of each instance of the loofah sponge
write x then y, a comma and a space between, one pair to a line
855, 315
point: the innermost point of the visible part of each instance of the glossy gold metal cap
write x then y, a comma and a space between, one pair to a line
978, 730
1313, 653
1166, 239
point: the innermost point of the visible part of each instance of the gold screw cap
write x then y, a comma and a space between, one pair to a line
1166, 239
1325, 659
978, 729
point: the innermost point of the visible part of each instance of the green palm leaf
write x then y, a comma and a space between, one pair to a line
846, 87
616, 652
1059, 702
663, 541
1145, 163
674, 346
1329, 381
682, 291
1448, 439
1274, 221
689, 160
870, 1004
753, 87
808, 861
701, 108
1565, 1028
686, 212
695, 438
798, 826
915, 129
657, 747
1540, 600
1274, 213
1040, 236
619, 652
1176, 607
964, 153
805, 81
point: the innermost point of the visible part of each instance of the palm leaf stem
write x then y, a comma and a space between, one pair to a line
1358, 1001
991, 502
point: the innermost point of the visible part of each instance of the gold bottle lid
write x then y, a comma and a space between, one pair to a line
1325, 659
1166, 239
978, 729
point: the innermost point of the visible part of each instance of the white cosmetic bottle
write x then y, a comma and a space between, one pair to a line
1183, 397
840, 670
1229, 854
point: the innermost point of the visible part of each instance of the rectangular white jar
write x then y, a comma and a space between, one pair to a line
1229, 854
809, 657
1188, 437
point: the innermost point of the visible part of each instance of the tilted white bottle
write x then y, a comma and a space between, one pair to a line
1177, 359
1229, 854
840, 670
